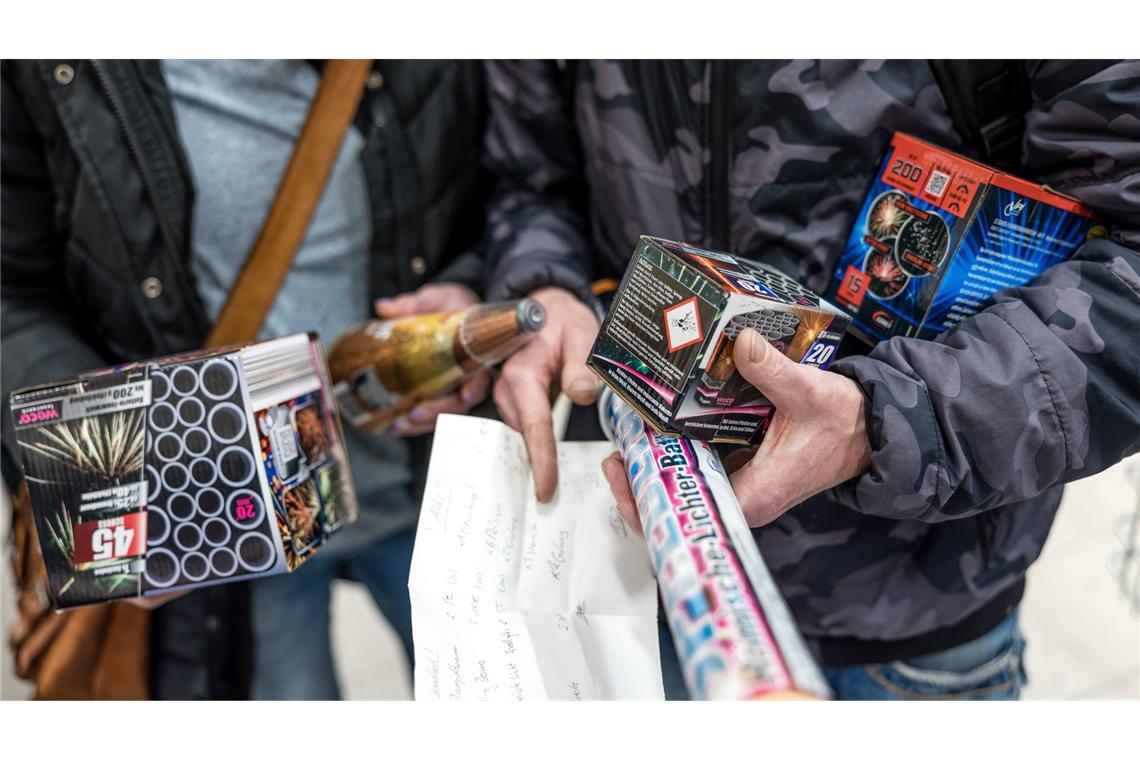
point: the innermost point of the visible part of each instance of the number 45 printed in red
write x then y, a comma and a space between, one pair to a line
113, 538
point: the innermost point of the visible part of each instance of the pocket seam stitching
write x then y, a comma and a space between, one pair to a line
873, 672
945, 678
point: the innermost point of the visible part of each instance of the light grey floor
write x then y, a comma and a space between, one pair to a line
1084, 640
1083, 633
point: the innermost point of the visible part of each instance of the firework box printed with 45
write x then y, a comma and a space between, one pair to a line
666, 345
184, 471
939, 234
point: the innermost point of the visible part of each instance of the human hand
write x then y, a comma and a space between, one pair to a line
435, 297
154, 602
817, 439
530, 380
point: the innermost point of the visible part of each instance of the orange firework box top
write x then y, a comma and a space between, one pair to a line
962, 178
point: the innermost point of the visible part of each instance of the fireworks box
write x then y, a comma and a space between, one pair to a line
666, 345
184, 471
938, 234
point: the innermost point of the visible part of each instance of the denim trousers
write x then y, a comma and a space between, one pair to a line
292, 653
988, 668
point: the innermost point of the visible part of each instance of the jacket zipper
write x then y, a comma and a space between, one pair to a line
132, 145
136, 159
718, 171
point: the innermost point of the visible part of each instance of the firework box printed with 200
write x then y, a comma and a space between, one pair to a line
938, 234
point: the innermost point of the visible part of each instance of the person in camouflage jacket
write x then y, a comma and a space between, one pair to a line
914, 524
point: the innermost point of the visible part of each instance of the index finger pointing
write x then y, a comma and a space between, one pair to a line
537, 427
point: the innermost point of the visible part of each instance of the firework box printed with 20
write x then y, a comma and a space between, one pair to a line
939, 234
184, 471
666, 345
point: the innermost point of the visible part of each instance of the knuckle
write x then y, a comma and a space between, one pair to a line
536, 428
816, 388
520, 368
776, 368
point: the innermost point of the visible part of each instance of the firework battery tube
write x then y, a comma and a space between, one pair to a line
382, 368
739, 392
735, 637
720, 369
778, 328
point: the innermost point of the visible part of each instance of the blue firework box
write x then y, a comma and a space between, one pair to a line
939, 234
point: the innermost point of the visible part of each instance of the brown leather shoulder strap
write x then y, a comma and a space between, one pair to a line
300, 190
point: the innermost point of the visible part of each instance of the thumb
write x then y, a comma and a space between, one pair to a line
578, 381
614, 469
776, 376
580, 384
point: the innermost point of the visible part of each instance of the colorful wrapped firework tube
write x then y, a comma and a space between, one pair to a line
734, 635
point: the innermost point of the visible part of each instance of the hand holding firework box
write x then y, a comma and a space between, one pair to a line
666, 345
735, 637
938, 235
184, 471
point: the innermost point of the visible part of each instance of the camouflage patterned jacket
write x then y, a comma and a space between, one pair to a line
973, 435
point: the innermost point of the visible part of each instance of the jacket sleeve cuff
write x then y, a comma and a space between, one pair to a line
907, 461
522, 281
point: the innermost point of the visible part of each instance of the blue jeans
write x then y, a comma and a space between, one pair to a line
989, 667
292, 653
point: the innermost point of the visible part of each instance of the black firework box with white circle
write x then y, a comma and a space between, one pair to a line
184, 471
666, 345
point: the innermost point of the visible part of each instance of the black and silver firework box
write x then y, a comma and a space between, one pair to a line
184, 471
666, 345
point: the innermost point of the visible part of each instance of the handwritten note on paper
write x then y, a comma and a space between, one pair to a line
512, 599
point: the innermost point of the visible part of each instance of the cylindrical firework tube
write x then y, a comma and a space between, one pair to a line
735, 637
382, 368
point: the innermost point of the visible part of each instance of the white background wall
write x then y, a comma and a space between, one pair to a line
1083, 634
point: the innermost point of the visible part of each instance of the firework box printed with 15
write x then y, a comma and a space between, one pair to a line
184, 471
666, 345
939, 234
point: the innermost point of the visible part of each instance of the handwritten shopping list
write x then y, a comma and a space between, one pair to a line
514, 600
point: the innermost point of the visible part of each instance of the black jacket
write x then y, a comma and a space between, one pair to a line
973, 435
96, 214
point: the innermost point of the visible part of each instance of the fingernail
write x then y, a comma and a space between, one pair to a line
400, 425
419, 414
468, 395
583, 386
753, 355
381, 302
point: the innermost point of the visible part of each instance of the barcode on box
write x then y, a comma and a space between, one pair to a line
937, 184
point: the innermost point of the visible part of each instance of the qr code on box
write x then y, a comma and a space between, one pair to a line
937, 184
